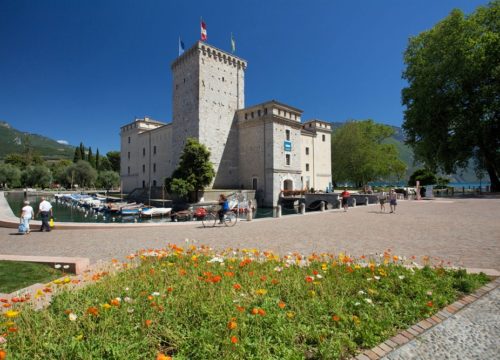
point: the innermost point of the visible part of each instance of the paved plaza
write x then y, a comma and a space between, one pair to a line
465, 232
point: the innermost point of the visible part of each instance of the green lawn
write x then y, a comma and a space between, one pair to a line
15, 275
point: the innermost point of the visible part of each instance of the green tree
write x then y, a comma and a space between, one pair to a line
81, 173
10, 176
360, 155
97, 160
59, 170
453, 96
114, 159
108, 179
38, 175
16, 160
78, 155
195, 171
82, 151
424, 176
104, 164
91, 158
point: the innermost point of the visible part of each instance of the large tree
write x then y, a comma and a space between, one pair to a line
38, 175
195, 171
114, 159
81, 173
108, 179
453, 96
10, 175
359, 154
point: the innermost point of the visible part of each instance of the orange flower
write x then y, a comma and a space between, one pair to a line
228, 274
6, 305
395, 258
236, 286
93, 311
262, 312
151, 271
336, 318
255, 311
12, 329
216, 279
162, 356
309, 279
232, 325
115, 302
234, 339
150, 297
430, 304
170, 289
240, 308
263, 278
274, 281
281, 304
148, 323
3, 354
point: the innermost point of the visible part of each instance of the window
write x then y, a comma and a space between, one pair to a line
287, 159
287, 135
307, 151
154, 149
154, 167
246, 116
143, 168
128, 155
258, 112
128, 170
323, 137
129, 139
143, 151
307, 167
265, 111
154, 182
143, 184
254, 183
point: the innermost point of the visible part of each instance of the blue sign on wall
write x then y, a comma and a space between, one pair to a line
288, 145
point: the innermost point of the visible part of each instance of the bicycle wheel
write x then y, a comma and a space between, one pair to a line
230, 219
209, 220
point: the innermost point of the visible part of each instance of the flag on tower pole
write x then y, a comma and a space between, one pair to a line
233, 43
203, 28
181, 46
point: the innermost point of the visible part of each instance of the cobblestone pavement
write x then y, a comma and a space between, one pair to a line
463, 231
472, 333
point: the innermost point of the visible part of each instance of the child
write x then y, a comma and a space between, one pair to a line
382, 199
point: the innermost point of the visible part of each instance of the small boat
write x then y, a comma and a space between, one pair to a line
153, 212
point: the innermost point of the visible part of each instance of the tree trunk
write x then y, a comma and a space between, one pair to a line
495, 182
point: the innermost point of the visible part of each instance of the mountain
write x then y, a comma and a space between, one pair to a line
13, 141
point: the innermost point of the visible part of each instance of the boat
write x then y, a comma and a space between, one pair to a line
153, 212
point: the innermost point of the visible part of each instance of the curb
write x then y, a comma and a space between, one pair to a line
405, 336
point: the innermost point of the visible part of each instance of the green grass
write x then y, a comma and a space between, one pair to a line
194, 304
15, 275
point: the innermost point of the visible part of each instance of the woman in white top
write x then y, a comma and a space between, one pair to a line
27, 214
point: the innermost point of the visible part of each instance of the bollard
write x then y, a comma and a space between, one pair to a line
340, 204
302, 208
354, 202
366, 200
249, 214
322, 206
278, 211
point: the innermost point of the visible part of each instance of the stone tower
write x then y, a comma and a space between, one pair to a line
208, 89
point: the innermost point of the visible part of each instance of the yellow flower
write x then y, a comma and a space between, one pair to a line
356, 320
312, 293
57, 281
261, 292
106, 306
324, 266
357, 266
79, 337
66, 280
10, 314
290, 314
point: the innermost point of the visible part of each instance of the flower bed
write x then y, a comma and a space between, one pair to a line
196, 304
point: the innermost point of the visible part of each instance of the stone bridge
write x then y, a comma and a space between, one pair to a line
330, 200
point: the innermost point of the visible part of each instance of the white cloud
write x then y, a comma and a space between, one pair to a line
64, 142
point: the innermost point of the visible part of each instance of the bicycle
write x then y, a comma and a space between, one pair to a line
212, 217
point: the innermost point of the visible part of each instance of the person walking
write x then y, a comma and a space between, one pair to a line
27, 214
393, 196
382, 199
345, 199
45, 212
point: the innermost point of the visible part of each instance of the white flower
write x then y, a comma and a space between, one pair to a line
57, 266
319, 276
278, 269
369, 279
127, 299
156, 293
72, 316
130, 310
66, 267
357, 303
127, 289
118, 299
2, 340
369, 301
216, 259
429, 293
401, 277
377, 277
361, 292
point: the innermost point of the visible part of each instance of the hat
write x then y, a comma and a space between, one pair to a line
26, 202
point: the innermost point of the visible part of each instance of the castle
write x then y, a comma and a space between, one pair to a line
263, 147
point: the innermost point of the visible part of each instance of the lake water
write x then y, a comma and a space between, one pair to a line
65, 212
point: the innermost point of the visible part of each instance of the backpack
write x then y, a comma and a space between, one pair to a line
22, 228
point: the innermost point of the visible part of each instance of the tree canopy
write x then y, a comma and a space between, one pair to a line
359, 154
195, 171
453, 96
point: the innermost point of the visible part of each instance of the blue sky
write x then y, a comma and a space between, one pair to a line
78, 70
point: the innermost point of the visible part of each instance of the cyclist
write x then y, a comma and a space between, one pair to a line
224, 207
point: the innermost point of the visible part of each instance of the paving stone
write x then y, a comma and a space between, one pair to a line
372, 355
424, 324
379, 351
407, 334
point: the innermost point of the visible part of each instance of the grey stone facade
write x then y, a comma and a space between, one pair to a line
260, 147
